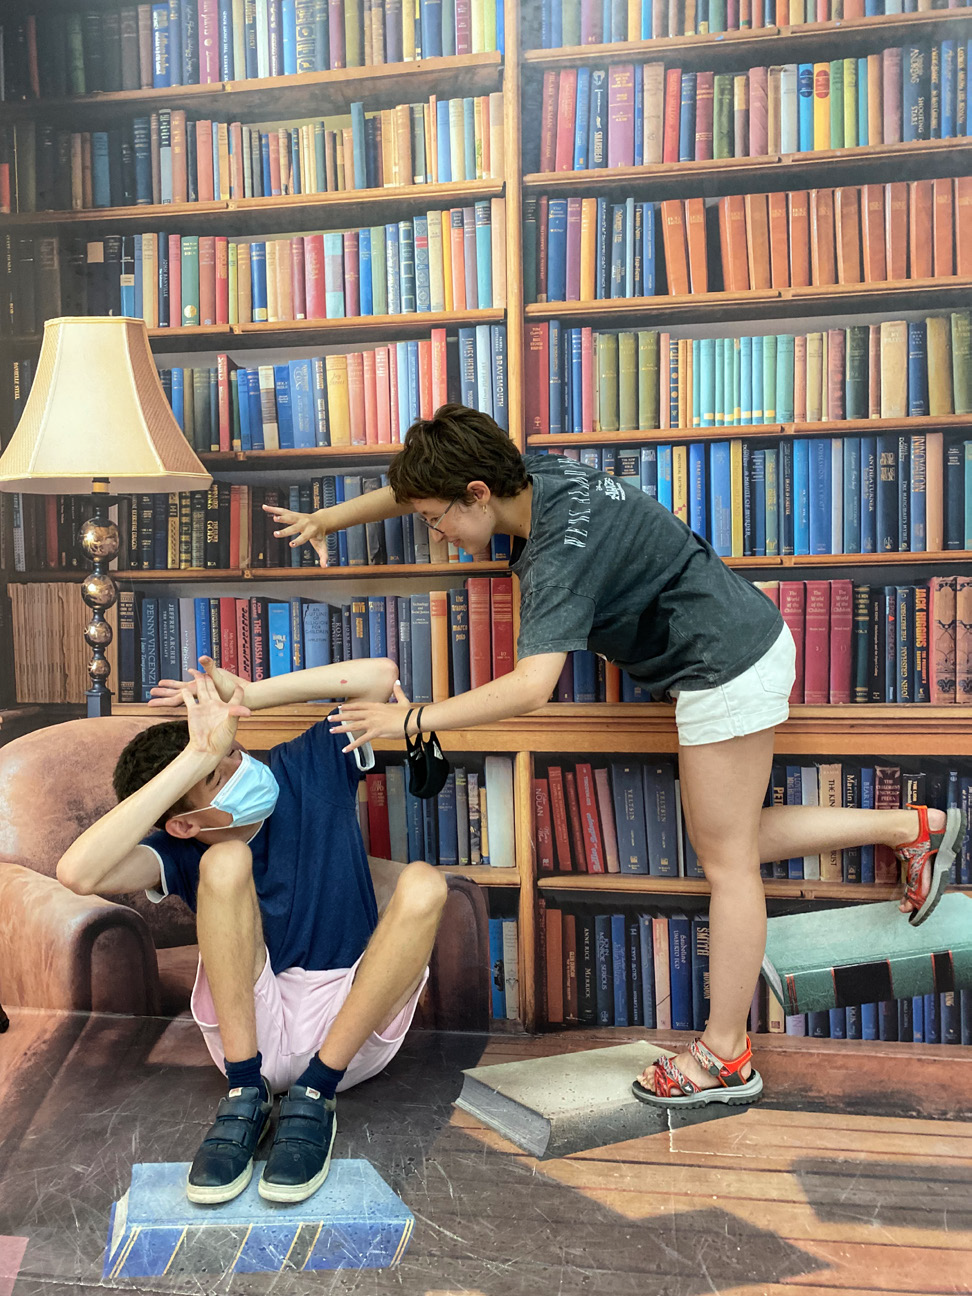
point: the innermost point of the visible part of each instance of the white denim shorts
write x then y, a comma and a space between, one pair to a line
757, 699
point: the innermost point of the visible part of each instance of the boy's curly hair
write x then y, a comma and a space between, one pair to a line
146, 755
442, 455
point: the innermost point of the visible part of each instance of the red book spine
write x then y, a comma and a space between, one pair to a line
480, 652
673, 103
207, 279
571, 995
887, 796
258, 637
587, 380
50, 532
228, 657
463, 27
758, 114
891, 91
554, 937
314, 276
558, 814
704, 88
941, 618
356, 402
208, 19
590, 827
234, 537
621, 115
298, 278
836, 340
383, 395
204, 161
841, 628
378, 828
816, 688
538, 380
425, 377
236, 160
440, 362
548, 121
566, 112
574, 821
963, 639
874, 371
943, 225
243, 640
224, 406
175, 279
542, 830
222, 280
335, 33
351, 296
501, 622
792, 609
592, 25
370, 397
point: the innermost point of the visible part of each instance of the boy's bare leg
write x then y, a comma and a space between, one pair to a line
230, 936
392, 965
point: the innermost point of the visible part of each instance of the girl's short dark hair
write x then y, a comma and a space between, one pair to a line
442, 455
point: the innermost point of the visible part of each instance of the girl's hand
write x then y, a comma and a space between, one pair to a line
313, 527
365, 721
212, 719
169, 693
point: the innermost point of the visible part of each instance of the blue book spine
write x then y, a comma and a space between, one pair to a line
501, 411
226, 71
867, 803
582, 118
365, 294
648, 258
680, 964
597, 144
758, 488
697, 489
256, 409
301, 388
406, 266
497, 978
863, 139
948, 108
886, 491
161, 50
821, 477
626, 785
484, 255
603, 970
175, 43
377, 641
805, 107
258, 282
179, 397
665, 476
285, 420
619, 979
443, 136
204, 636
393, 270
686, 119
801, 496
868, 495
917, 370
421, 640
700, 971
720, 499
647, 970
448, 854
784, 378
869, 1021
243, 399
557, 250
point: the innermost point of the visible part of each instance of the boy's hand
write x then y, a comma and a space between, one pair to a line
169, 692
303, 527
212, 721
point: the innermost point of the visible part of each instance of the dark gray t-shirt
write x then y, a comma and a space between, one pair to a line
608, 568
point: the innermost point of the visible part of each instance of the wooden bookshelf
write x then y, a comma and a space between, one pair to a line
308, 94
763, 303
871, 164
915, 731
236, 217
800, 42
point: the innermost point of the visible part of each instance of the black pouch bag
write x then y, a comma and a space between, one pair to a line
428, 769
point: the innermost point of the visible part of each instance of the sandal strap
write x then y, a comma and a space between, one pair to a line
672, 1078
726, 1071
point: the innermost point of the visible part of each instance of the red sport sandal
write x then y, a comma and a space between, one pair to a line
936, 849
673, 1088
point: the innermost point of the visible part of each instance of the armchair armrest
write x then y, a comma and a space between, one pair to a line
459, 966
61, 950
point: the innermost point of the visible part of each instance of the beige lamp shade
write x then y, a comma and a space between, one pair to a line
97, 410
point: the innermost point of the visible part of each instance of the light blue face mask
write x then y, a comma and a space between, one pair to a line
249, 796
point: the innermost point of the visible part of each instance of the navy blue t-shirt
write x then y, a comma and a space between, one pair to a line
309, 862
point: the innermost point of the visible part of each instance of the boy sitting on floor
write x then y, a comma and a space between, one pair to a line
301, 987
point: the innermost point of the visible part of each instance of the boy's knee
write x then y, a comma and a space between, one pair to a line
226, 868
422, 889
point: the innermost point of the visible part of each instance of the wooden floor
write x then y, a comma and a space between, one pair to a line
853, 1176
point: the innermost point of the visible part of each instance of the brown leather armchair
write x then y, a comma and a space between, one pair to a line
128, 955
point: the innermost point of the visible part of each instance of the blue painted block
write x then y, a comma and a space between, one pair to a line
354, 1221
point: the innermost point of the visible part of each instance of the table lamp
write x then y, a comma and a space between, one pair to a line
97, 420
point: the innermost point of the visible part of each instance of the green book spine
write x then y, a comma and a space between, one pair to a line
571, 23
379, 279
237, 433
722, 116
961, 387
200, 396
190, 282
353, 22
850, 103
627, 382
837, 104
647, 379
772, 504
855, 385
607, 381
784, 379
769, 378
188, 407
75, 55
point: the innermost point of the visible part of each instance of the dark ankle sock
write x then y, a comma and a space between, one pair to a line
320, 1077
245, 1074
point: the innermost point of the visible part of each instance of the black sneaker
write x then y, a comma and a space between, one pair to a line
224, 1163
301, 1153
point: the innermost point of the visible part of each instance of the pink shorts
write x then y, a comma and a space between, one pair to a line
294, 1012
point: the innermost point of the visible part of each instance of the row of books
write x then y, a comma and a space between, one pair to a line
360, 398
504, 978
644, 114
663, 471
588, 380
593, 22
587, 249
636, 968
443, 642
626, 968
202, 42
878, 643
820, 495
943, 1018
626, 818
164, 158
451, 260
